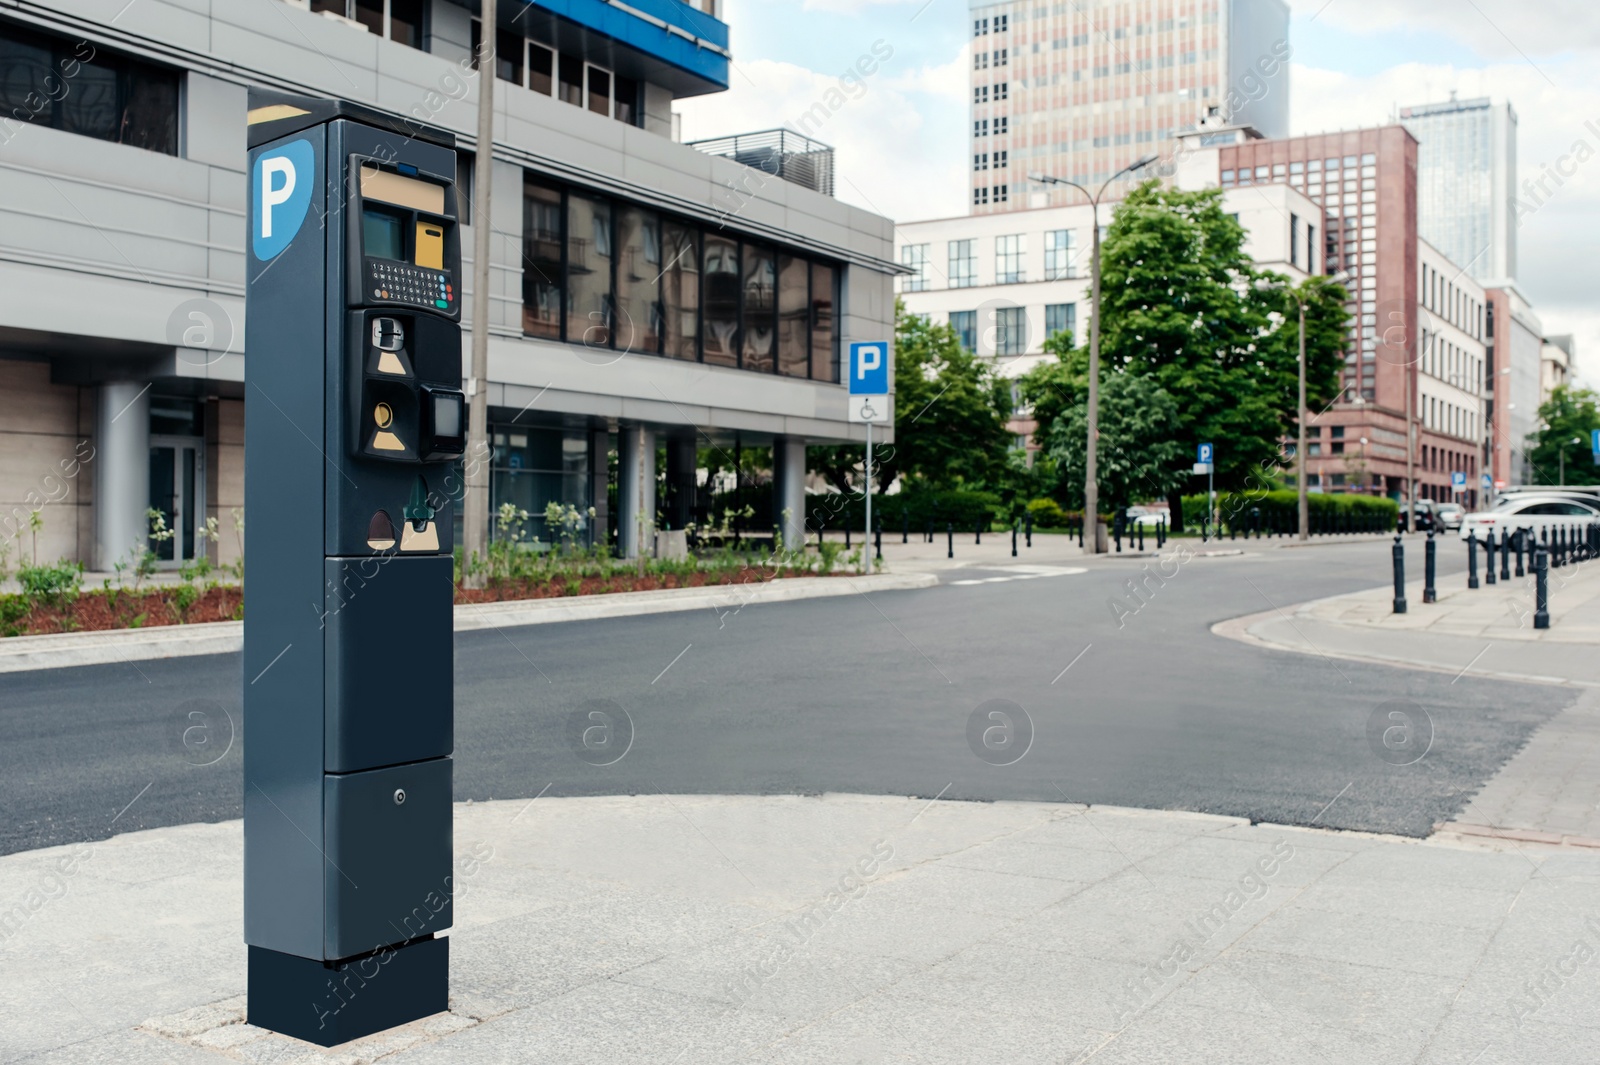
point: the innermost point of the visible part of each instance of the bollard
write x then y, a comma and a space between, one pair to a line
847, 537
977, 534
1399, 575
1255, 520
1505, 555
1140, 526
1488, 554
1472, 561
877, 540
929, 532
1520, 538
1028, 518
1233, 533
1116, 531
905, 526
1205, 529
1429, 595
1013, 541
1557, 558
950, 534
1541, 589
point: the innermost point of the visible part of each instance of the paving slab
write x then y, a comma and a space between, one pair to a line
854, 928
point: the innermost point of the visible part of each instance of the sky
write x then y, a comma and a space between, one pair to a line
900, 133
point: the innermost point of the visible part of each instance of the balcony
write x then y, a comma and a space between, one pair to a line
680, 44
782, 153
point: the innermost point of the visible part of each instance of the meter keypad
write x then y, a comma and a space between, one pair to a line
388, 281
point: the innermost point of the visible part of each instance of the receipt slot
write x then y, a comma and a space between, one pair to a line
354, 416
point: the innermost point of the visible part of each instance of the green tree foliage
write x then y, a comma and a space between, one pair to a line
1137, 457
1183, 303
1569, 414
950, 414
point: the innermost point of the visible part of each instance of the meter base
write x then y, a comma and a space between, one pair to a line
328, 1003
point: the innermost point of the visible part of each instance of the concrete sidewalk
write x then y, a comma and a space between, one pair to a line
857, 929
1486, 631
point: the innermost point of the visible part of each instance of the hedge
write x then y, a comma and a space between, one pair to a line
1279, 511
835, 510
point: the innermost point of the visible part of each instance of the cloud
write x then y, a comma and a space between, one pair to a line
899, 139
849, 7
1495, 29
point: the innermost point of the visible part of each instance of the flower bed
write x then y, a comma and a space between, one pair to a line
100, 610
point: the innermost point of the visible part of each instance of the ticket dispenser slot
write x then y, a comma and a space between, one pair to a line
353, 326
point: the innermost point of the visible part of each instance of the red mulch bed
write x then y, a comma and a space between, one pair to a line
92, 612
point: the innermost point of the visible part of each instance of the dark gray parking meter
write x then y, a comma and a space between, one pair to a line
354, 416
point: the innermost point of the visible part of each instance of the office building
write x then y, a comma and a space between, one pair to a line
1556, 365
1007, 282
1080, 90
1467, 183
645, 294
1413, 386
1515, 364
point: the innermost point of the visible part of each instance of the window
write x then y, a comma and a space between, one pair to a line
1001, 58
1010, 331
914, 257
999, 160
963, 263
1000, 124
965, 325
570, 86
508, 49
824, 332
980, 161
722, 280
541, 69
980, 196
1000, 23
599, 91
759, 310
794, 356
638, 274
980, 128
76, 88
680, 291
589, 263
541, 261
1060, 318
980, 26
1294, 240
1008, 254
980, 60
980, 94
627, 101
1001, 91
398, 20
1060, 254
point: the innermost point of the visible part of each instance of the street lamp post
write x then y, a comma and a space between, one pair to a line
1304, 503
1576, 441
1091, 465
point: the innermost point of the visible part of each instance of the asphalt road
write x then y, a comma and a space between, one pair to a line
857, 694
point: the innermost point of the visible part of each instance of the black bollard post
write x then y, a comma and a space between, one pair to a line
1399, 575
1161, 534
1140, 526
1028, 518
1205, 529
1472, 561
1013, 541
929, 532
877, 540
1505, 555
1233, 532
1488, 557
1541, 589
847, 537
1116, 530
1255, 520
1080, 533
905, 526
977, 533
1429, 594
950, 535
1520, 538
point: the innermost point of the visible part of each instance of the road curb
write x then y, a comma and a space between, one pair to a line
20, 654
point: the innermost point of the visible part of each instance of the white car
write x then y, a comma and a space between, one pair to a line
1451, 515
1527, 511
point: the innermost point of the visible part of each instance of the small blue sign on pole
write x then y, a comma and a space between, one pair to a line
869, 368
1203, 453
1458, 481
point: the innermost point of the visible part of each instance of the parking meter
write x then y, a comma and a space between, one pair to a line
354, 415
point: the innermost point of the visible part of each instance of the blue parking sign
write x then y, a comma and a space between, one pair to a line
869, 368
1204, 453
1458, 481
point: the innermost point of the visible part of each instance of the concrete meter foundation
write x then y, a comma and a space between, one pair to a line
355, 421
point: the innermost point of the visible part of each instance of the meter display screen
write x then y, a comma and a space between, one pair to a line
381, 235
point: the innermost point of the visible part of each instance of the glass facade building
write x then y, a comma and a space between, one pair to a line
1466, 183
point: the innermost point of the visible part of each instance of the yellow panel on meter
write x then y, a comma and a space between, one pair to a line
402, 191
430, 245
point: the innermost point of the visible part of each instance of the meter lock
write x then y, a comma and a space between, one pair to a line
418, 532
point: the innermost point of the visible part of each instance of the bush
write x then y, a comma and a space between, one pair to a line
54, 585
966, 510
1047, 514
1279, 511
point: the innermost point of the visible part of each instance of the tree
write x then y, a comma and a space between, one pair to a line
1183, 303
950, 415
1138, 458
1052, 388
1569, 414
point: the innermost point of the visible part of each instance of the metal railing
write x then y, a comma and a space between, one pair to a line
782, 153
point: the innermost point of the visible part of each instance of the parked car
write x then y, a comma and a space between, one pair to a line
1149, 517
1425, 515
1525, 510
1450, 515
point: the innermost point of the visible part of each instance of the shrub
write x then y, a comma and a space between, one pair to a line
1279, 511
1047, 514
919, 506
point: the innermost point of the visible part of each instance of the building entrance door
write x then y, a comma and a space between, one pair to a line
177, 493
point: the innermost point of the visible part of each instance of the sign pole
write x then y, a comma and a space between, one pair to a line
866, 537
